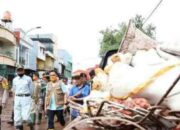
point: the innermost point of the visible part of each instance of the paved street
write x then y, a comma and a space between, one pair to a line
43, 126
6, 115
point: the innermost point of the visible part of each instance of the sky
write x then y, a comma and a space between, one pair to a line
77, 23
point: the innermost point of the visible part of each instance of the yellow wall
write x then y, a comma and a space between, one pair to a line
40, 64
49, 63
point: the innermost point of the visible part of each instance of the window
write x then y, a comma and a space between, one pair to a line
42, 50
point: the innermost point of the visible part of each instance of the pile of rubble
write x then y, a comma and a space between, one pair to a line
140, 86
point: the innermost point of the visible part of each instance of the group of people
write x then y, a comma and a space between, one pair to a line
48, 95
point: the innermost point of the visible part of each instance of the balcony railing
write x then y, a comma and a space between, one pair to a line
7, 36
7, 54
7, 58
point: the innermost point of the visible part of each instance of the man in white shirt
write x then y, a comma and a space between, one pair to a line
23, 89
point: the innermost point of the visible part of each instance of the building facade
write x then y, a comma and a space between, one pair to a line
26, 54
64, 56
48, 46
41, 56
7, 53
59, 65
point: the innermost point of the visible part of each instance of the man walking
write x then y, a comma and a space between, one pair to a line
55, 100
44, 81
23, 89
37, 101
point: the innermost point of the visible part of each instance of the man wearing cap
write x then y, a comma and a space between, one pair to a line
23, 89
78, 92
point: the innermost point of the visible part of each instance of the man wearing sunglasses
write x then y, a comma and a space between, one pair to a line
55, 100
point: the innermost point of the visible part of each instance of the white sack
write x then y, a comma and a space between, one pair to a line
173, 48
123, 79
150, 57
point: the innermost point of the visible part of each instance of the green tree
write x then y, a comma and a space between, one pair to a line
111, 38
138, 21
149, 30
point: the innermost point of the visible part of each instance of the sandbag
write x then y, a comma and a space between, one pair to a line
124, 78
172, 48
124, 81
166, 55
150, 57
118, 57
100, 80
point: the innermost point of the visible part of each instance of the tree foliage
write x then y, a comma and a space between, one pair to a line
148, 30
111, 38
